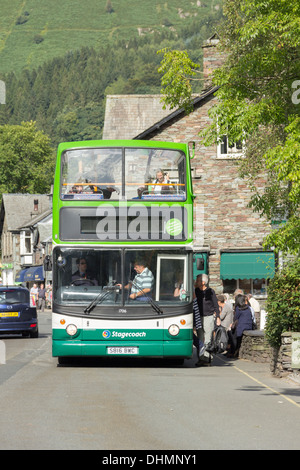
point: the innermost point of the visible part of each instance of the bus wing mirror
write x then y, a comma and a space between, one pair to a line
192, 146
47, 263
200, 264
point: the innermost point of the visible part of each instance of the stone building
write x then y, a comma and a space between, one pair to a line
228, 234
22, 250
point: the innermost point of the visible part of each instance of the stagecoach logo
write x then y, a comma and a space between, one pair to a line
174, 227
123, 334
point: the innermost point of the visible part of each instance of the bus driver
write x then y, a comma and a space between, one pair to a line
142, 284
82, 277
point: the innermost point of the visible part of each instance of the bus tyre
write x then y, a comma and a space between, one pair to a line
63, 360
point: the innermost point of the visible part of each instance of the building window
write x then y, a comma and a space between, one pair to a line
26, 242
256, 287
226, 150
247, 270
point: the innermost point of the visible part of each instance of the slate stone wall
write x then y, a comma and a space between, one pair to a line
223, 219
254, 347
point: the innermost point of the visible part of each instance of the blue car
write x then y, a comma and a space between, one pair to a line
17, 315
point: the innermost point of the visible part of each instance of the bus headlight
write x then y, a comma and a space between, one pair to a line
174, 330
71, 330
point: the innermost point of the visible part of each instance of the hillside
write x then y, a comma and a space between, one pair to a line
59, 60
35, 31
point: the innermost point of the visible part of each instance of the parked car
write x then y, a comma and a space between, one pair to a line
17, 314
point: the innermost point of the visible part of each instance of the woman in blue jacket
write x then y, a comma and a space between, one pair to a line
242, 319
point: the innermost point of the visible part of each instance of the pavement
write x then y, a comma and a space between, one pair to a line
287, 387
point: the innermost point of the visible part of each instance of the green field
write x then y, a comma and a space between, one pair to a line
33, 31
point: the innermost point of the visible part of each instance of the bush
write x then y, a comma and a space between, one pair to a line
38, 38
21, 20
283, 303
109, 7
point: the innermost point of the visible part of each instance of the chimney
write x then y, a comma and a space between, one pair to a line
212, 59
36, 205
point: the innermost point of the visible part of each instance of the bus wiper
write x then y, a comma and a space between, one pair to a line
99, 298
153, 304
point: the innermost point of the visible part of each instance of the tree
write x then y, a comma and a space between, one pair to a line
109, 7
262, 41
26, 159
258, 103
178, 73
283, 303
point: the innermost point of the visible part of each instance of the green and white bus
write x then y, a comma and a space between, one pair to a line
122, 250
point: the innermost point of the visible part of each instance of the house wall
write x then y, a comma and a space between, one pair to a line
15, 210
7, 264
222, 218
213, 58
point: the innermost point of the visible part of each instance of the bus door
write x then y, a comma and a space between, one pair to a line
172, 279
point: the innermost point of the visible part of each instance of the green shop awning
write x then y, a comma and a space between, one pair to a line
247, 265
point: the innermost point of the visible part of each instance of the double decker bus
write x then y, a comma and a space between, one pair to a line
122, 250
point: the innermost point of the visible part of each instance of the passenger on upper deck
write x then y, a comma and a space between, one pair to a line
76, 189
103, 183
160, 185
162, 182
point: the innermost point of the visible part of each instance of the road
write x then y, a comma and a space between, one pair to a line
140, 405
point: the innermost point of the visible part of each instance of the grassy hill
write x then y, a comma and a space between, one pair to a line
34, 31
59, 59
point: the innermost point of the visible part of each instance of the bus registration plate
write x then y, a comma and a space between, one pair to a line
122, 350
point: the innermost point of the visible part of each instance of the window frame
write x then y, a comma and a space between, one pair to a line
236, 153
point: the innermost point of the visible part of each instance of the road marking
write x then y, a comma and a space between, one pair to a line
265, 386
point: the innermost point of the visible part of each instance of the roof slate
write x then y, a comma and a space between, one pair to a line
142, 116
19, 208
128, 115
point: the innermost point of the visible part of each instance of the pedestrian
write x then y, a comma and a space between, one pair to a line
242, 321
41, 298
209, 312
34, 294
256, 307
252, 312
226, 311
49, 296
197, 325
